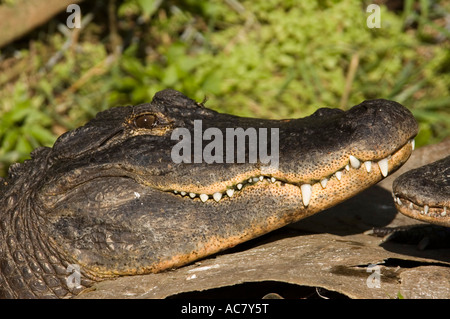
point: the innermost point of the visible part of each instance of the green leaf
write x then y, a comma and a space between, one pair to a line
149, 6
170, 76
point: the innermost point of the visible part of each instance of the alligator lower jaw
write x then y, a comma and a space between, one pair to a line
355, 171
439, 215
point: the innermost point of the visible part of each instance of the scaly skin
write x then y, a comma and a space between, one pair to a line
108, 197
424, 193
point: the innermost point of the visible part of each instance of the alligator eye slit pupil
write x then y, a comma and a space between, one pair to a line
146, 121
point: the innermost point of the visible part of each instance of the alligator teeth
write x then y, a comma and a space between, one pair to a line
413, 144
444, 212
217, 196
354, 162
425, 209
411, 206
306, 193
384, 166
306, 189
368, 165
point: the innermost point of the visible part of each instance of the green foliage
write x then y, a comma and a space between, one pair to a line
23, 127
265, 58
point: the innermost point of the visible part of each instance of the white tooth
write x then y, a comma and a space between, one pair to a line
399, 201
347, 167
255, 179
444, 212
239, 186
338, 175
250, 180
413, 144
183, 193
411, 205
368, 165
272, 179
306, 193
204, 197
217, 196
192, 195
425, 209
230, 192
384, 166
175, 192
354, 162
324, 182
261, 178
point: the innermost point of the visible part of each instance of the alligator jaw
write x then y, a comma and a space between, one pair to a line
424, 193
439, 215
351, 181
354, 172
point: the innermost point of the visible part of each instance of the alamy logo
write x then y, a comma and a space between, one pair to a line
74, 279
74, 19
223, 147
373, 281
373, 20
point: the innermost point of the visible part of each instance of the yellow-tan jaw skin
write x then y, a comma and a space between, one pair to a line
350, 182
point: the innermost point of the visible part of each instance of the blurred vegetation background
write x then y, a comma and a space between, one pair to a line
259, 58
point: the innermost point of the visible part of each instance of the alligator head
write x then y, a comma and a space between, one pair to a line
424, 193
110, 199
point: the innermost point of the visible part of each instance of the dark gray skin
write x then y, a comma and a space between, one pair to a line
103, 197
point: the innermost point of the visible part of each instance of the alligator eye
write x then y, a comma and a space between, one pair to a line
147, 121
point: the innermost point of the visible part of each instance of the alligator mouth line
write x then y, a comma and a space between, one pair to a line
414, 210
306, 189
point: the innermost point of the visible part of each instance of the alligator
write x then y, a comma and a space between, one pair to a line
423, 194
109, 200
